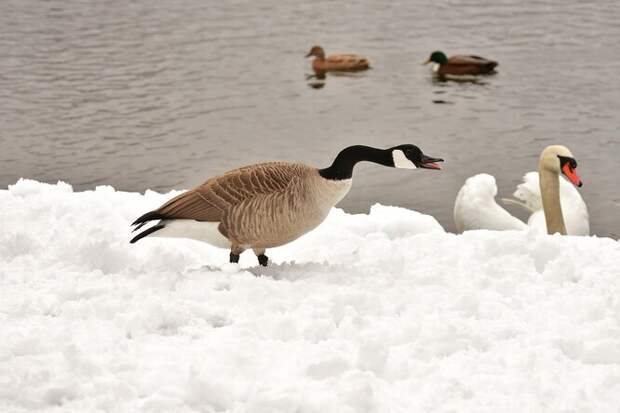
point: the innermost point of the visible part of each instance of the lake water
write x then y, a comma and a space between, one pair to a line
142, 94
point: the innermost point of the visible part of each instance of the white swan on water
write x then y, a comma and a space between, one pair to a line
555, 204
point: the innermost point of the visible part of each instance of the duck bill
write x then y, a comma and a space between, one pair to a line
426, 62
430, 163
572, 176
308, 55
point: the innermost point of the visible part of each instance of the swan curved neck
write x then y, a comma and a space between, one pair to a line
552, 207
342, 167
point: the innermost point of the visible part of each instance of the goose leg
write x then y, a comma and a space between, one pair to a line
234, 258
235, 252
262, 258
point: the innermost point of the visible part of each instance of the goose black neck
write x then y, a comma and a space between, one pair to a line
342, 167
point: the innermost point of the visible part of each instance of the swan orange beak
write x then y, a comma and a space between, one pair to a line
571, 174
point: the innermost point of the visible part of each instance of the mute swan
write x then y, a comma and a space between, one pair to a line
559, 209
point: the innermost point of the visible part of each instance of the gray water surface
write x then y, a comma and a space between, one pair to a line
163, 95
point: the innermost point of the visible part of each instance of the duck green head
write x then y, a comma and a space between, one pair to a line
437, 57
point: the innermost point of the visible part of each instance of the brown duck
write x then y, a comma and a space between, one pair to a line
270, 204
461, 64
336, 62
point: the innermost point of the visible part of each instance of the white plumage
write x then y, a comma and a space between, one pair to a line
574, 208
476, 208
197, 230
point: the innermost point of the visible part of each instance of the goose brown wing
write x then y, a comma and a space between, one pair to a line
211, 200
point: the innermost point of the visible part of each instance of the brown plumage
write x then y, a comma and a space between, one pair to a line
336, 62
269, 204
258, 206
461, 64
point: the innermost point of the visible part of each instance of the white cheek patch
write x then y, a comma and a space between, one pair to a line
435, 67
401, 161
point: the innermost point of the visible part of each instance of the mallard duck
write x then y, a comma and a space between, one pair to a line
336, 62
461, 64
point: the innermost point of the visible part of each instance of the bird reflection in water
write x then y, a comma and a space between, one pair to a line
438, 79
316, 80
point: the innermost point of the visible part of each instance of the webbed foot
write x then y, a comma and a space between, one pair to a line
262, 259
234, 258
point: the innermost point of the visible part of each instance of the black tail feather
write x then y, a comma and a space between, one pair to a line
139, 226
146, 232
149, 216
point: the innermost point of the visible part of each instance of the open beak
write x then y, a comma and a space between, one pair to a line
426, 62
430, 163
571, 174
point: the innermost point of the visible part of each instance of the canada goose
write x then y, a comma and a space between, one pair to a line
336, 62
269, 204
461, 64
555, 204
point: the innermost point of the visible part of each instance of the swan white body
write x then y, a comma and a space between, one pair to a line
476, 208
573, 206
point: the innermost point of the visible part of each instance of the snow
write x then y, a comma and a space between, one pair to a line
382, 312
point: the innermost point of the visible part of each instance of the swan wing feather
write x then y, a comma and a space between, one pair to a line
476, 208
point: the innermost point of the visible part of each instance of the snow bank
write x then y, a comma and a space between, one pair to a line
369, 313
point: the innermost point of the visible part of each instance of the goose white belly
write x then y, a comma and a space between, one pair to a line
197, 230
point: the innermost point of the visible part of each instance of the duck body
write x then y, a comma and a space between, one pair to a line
459, 65
345, 62
263, 205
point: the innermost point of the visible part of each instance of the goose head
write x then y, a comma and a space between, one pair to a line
558, 159
316, 51
411, 157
